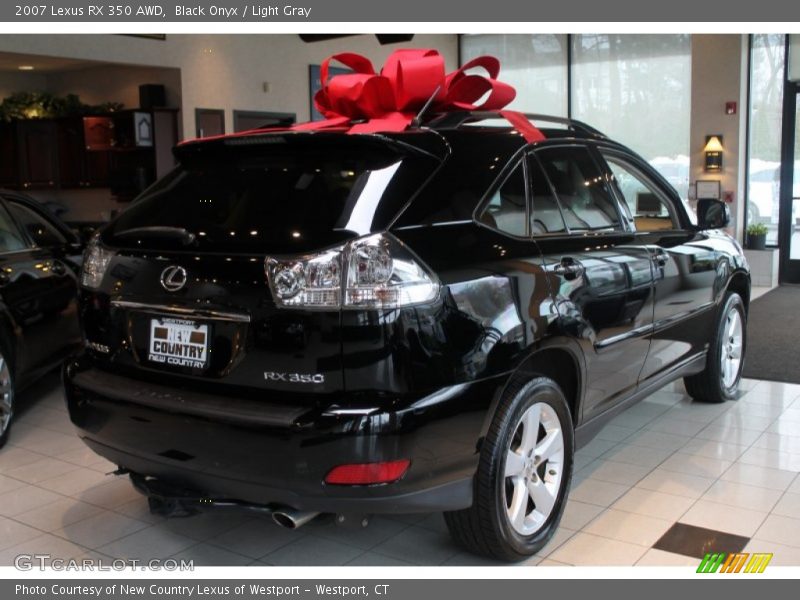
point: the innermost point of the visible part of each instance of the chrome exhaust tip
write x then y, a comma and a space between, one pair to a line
292, 519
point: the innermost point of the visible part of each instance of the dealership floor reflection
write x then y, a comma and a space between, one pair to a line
729, 468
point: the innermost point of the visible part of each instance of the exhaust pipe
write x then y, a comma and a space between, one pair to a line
291, 518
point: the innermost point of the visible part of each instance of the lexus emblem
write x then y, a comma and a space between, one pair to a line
173, 278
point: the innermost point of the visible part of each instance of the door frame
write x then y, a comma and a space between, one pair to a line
789, 271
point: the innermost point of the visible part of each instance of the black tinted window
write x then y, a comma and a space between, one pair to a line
545, 213
506, 209
240, 198
584, 196
43, 234
10, 237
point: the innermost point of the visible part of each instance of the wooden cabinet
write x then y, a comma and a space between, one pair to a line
125, 151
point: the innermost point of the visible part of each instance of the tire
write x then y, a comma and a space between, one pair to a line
486, 527
6, 396
720, 379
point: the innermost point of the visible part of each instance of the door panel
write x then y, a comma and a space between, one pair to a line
601, 278
684, 263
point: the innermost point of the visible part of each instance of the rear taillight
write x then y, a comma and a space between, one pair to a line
377, 271
95, 262
368, 473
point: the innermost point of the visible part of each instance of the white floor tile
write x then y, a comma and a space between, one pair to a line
206, 555
577, 514
58, 514
24, 499
628, 527
744, 496
659, 558
419, 546
594, 491
773, 479
782, 556
713, 449
100, 529
692, 464
657, 439
654, 504
13, 533
780, 529
773, 459
678, 484
638, 455
616, 472
588, 549
782, 443
729, 435
312, 550
722, 517
788, 506
45, 468
151, 542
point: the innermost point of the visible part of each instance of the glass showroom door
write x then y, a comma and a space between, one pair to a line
790, 187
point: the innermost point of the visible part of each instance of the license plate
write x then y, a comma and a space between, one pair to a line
179, 343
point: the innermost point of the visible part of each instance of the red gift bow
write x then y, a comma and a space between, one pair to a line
390, 100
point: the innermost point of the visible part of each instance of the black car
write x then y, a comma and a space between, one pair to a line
429, 320
40, 260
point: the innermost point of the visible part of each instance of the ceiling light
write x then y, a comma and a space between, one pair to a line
26, 67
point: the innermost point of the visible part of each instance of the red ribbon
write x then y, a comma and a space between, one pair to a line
368, 102
389, 100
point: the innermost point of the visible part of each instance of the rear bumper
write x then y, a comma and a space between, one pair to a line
266, 452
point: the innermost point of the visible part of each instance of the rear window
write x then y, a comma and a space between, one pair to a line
241, 198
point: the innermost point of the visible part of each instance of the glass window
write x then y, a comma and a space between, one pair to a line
10, 236
507, 210
584, 197
545, 215
767, 53
637, 90
647, 209
536, 65
43, 234
235, 198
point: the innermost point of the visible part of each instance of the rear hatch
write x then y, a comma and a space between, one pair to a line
184, 293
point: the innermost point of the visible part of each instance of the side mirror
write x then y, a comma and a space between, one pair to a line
712, 214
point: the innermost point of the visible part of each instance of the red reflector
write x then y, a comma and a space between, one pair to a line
366, 473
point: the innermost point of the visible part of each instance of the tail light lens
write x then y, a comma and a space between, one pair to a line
377, 271
367, 473
95, 263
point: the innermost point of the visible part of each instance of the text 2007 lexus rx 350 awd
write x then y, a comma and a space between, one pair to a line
429, 320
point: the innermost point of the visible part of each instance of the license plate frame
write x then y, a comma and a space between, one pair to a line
176, 342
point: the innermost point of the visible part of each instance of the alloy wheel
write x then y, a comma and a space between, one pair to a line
533, 471
732, 345
6, 395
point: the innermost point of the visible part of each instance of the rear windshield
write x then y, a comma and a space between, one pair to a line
257, 196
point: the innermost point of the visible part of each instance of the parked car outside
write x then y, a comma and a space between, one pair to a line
40, 260
430, 320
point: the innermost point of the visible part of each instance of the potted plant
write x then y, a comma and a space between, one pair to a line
756, 236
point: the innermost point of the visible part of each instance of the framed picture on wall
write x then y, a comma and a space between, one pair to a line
315, 84
708, 190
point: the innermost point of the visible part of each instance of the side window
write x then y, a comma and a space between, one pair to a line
586, 201
646, 207
10, 237
545, 214
39, 229
506, 210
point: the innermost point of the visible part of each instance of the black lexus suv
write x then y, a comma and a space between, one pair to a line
432, 320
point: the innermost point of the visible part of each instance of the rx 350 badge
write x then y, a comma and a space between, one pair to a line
301, 378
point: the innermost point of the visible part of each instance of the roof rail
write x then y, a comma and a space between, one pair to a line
456, 119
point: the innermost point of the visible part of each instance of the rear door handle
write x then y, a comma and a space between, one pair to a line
569, 268
661, 258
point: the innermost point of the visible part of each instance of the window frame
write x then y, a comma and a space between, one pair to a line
517, 159
642, 168
8, 199
622, 227
20, 230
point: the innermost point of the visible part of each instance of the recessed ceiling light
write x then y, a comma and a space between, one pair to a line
26, 67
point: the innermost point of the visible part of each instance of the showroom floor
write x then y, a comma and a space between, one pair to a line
668, 473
